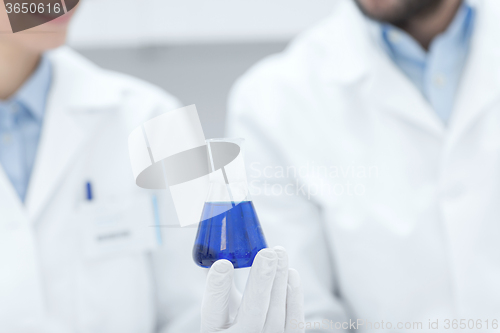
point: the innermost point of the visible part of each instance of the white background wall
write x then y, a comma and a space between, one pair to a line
112, 23
194, 49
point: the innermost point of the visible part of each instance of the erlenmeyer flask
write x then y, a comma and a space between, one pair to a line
229, 227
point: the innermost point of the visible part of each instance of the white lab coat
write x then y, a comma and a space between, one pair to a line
61, 270
417, 238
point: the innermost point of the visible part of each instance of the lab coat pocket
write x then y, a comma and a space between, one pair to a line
117, 226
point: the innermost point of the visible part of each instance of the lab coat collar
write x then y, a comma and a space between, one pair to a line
346, 60
80, 94
390, 91
357, 57
94, 89
480, 84
357, 61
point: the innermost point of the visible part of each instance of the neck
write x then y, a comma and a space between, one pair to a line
16, 66
430, 23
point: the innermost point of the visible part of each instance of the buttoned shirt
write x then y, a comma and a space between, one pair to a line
21, 119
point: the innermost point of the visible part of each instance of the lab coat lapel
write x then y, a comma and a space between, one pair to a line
61, 139
359, 64
480, 84
391, 92
20, 285
12, 211
78, 96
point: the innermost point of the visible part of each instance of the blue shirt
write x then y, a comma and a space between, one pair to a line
20, 125
436, 73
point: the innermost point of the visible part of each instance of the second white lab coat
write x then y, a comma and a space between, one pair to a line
400, 220
72, 265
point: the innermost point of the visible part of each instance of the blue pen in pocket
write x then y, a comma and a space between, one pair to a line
88, 191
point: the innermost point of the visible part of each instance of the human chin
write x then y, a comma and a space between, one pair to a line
381, 10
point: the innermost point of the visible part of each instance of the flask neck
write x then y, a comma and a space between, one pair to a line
228, 181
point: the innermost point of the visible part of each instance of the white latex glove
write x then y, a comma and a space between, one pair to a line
272, 302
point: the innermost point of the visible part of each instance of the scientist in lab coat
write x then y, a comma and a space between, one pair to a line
374, 153
77, 253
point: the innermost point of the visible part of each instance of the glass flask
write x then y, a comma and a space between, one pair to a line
229, 227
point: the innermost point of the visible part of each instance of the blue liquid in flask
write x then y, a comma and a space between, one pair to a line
234, 234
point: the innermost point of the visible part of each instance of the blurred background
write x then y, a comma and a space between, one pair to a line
194, 49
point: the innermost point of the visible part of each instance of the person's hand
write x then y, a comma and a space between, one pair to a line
272, 301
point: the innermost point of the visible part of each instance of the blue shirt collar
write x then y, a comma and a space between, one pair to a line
33, 93
458, 32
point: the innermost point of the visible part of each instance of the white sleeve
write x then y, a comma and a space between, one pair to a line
291, 220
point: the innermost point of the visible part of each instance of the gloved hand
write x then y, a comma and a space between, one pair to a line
272, 301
